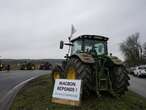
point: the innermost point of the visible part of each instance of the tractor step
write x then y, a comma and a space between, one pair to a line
103, 84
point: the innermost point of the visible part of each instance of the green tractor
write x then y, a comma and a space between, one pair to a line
27, 66
88, 60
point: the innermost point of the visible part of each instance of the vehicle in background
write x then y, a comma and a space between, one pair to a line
45, 66
131, 70
27, 66
7, 67
139, 71
4, 67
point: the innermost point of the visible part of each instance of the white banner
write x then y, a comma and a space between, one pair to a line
67, 89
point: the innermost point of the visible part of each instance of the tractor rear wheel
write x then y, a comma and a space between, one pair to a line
120, 80
76, 69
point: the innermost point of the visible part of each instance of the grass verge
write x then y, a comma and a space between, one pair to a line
36, 95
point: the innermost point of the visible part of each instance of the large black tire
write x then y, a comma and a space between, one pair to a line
120, 80
83, 72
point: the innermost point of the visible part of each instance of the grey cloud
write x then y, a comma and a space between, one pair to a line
33, 28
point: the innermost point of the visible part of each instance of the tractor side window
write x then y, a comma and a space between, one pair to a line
77, 46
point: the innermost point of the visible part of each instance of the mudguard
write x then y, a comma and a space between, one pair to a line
116, 60
84, 57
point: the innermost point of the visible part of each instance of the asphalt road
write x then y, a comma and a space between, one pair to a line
138, 85
10, 80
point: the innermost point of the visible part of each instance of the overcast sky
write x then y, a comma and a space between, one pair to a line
33, 28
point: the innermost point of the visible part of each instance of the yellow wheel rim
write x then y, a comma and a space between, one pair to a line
71, 73
33, 67
56, 75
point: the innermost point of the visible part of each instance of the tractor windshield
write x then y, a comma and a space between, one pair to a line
95, 46
89, 45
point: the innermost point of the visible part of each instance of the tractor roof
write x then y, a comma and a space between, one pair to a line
95, 37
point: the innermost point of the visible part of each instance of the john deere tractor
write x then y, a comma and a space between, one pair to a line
89, 61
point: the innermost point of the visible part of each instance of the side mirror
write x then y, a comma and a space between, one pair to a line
110, 54
61, 44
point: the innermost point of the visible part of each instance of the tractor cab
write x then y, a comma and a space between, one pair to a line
92, 44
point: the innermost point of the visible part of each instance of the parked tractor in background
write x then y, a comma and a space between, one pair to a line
45, 66
88, 60
27, 66
2, 67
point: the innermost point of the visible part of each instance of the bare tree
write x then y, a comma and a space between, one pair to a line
144, 52
132, 49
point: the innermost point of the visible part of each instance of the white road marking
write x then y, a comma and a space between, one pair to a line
6, 101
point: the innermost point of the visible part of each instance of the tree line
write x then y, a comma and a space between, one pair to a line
133, 50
